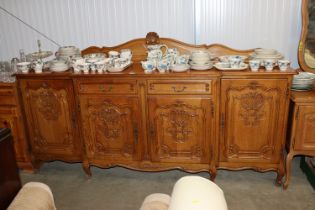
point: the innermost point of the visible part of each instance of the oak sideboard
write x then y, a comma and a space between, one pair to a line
194, 120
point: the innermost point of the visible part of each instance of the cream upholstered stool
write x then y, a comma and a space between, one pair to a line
189, 193
33, 196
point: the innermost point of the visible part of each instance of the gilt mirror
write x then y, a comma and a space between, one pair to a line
306, 52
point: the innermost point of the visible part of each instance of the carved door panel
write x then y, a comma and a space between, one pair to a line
111, 127
305, 129
252, 120
9, 119
181, 129
50, 114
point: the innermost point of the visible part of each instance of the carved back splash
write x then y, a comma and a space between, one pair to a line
139, 49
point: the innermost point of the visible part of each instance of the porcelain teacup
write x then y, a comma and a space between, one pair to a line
100, 66
85, 67
235, 62
148, 66
38, 66
254, 65
269, 64
182, 59
23, 66
283, 64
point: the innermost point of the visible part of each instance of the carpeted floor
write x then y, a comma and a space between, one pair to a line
122, 189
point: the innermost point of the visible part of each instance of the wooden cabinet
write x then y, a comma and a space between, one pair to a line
111, 121
252, 123
301, 136
193, 120
10, 116
181, 125
51, 119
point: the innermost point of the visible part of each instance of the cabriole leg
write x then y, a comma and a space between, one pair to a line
288, 170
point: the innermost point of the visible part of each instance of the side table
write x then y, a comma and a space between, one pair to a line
301, 128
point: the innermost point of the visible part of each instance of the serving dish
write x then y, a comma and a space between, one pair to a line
227, 58
223, 67
118, 69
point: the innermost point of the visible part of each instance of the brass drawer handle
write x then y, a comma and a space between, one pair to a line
179, 90
102, 88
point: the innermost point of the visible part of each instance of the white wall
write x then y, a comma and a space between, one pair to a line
245, 24
240, 24
91, 22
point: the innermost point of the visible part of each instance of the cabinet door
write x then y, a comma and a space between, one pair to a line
252, 120
305, 128
10, 119
50, 114
111, 127
181, 129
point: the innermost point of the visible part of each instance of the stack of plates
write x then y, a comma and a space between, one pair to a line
205, 66
263, 54
67, 52
303, 81
58, 66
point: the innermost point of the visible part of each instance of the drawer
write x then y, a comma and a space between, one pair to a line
108, 87
7, 95
6, 90
180, 86
7, 100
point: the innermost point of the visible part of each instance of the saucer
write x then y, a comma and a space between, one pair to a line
180, 67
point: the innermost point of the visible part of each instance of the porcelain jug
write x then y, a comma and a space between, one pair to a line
155, 51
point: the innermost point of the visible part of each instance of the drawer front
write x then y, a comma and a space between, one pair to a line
7, 95
108, 87
7, 100
180, 86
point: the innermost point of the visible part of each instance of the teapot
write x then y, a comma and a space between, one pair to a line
155, 51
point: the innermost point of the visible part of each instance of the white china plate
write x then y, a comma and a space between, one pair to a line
180, 68
120, 69
219, 67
